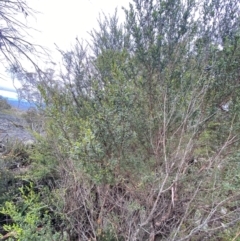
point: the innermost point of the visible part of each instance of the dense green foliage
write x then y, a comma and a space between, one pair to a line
141, 134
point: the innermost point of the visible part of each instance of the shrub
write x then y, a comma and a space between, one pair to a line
30, 218
4, 105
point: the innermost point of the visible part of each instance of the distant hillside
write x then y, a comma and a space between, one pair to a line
22, 105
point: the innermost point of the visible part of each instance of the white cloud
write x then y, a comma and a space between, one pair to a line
8, 94
62, 21
7, 84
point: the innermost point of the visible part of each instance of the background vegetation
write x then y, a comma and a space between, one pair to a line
140, 139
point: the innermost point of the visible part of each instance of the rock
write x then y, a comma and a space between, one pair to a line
13, 128
2, 148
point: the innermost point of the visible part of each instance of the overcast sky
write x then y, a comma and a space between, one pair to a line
60, 22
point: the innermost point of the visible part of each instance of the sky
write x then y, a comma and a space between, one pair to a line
60, 22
